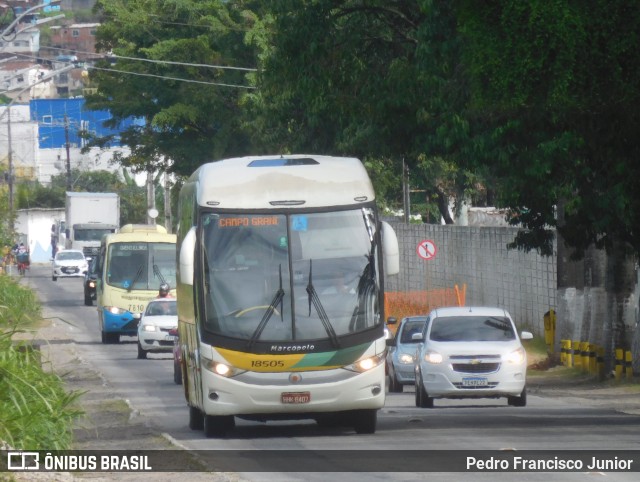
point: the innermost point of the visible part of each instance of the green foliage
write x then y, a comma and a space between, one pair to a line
532, 104
133, 204
36, 413
186, 123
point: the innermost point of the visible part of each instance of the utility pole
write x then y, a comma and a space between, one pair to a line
10, 161
67, 147
151, 197
406, 199
167, 202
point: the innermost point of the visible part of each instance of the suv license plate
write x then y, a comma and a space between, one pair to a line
474, 382
295, 397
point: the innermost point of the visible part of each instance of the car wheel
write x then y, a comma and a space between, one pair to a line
105, 337
196, 418
394, 385
423, 400
177, 373
520, 401
365, 421
218, 425
142, 355
54, 277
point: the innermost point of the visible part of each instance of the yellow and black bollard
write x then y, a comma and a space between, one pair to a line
563, 352
600, 362
575, 350
628, 365
593, 362
619, 363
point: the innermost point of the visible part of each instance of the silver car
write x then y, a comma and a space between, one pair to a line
402, 349
69, 263
156, 329
471, 352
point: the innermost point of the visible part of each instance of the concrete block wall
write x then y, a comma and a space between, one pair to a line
525, 284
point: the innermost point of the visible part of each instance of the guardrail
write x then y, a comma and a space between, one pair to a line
589, 358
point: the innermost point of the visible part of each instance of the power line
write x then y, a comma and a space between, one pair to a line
154, 61
164, 77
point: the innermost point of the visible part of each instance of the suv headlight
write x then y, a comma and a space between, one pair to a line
433, 357
405, 359
516, 357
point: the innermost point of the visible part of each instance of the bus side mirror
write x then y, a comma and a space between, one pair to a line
390, 249
187, 249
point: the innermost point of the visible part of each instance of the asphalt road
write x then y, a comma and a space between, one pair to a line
155, 414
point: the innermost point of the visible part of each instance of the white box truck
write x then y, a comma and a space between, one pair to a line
89, 216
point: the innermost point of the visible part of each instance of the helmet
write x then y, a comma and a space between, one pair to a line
164, 289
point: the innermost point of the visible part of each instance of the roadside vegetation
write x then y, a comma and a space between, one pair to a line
36, 413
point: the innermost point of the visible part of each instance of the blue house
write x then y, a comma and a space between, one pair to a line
59, 118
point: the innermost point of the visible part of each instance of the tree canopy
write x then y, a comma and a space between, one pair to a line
533, 104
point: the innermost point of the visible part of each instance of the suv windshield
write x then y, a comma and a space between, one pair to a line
290, 277
472, 328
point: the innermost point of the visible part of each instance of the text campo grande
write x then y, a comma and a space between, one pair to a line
112, 463
547, 464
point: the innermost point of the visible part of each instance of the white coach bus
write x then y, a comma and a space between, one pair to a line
280, 292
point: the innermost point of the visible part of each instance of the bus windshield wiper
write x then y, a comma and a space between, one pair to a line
136, 277
277, 300
156, 271
315, 299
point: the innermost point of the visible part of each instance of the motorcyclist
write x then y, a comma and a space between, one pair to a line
164, 291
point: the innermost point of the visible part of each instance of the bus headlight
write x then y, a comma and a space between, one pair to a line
366, 364
218, 368
114, 310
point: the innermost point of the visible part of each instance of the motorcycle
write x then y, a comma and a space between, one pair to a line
23, 263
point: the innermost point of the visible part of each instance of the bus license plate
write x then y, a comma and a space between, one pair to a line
474, 382
295, 397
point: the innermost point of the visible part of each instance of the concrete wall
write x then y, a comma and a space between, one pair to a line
522, 283
596, 299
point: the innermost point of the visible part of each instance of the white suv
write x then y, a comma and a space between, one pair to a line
470, 352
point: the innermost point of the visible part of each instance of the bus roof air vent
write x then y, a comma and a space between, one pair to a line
301, 161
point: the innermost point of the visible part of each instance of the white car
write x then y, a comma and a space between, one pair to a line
470, 352
69, 263
160, 317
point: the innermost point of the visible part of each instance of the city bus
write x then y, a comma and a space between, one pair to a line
281, 263
132, 265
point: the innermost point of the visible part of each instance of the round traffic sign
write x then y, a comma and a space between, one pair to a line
426, 249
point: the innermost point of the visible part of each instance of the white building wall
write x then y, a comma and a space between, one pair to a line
24, 141
34, 225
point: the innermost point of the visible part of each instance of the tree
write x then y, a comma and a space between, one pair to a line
342, 77
132, 197
552, 114
154, 45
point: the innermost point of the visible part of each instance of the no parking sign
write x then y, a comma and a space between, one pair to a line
426, 249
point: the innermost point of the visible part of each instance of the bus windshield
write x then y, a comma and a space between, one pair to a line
141, 265
279, 277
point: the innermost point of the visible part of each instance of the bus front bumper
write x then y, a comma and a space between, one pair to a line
349, 391
124, 324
